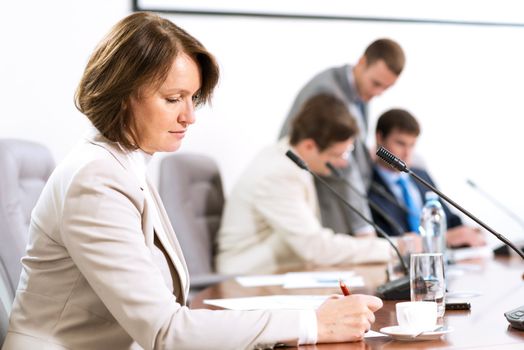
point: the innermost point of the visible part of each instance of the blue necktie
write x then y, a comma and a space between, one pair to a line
413, 215
362, 109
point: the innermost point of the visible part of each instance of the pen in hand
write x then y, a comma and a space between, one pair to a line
346, 292
344, 288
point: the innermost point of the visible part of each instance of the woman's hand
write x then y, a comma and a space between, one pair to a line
346, 319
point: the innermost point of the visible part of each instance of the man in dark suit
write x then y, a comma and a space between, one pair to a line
397, 194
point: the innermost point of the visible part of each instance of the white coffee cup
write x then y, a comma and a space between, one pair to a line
417, 316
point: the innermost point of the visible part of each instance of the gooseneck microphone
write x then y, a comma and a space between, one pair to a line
392, 160
398, 164
494, 201
516, 316
395, 225
397, 289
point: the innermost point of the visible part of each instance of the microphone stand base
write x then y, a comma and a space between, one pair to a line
395, 290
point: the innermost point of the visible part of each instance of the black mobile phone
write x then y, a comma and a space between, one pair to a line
458, 305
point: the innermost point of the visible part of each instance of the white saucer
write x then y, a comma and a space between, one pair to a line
399, 333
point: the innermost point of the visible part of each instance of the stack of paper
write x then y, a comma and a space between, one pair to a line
261, 280
298, 302
318, 279
471, 253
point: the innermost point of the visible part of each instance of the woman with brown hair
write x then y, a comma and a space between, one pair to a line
103, 268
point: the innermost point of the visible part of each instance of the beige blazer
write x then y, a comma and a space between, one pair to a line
90, 279
271, 221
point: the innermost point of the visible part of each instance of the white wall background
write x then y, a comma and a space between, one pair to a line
464, 83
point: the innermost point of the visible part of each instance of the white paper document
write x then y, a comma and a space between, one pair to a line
471, 253
272, 302
356, 281
261, 280
317, 279
373, 334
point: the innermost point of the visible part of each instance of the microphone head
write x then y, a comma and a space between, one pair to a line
392, 160
333, 170
297, 160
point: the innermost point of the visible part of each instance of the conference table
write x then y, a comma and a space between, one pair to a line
492, 285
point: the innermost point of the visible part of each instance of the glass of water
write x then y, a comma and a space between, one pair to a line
427, 280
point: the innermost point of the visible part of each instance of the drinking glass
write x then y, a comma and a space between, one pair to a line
427, 280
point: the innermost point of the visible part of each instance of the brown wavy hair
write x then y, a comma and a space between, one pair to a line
136, 54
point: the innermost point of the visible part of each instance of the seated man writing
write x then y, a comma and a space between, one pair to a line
271, 218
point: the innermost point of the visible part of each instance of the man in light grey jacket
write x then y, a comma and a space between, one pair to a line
376, 71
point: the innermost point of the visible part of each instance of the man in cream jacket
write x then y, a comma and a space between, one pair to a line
271, 219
